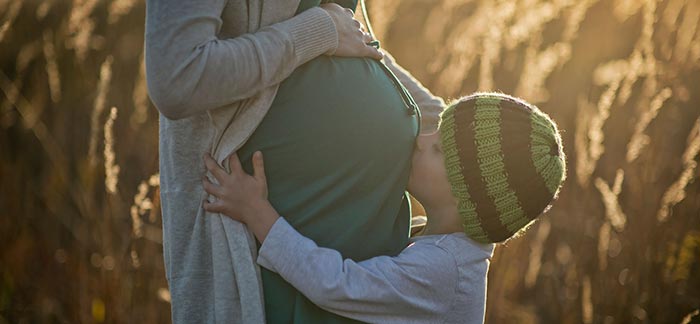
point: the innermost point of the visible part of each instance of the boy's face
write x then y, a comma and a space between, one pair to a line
428, 179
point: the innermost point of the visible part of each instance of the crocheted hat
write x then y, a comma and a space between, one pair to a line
504, 161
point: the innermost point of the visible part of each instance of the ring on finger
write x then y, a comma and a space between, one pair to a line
374, 43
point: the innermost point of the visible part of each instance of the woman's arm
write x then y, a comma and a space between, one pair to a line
190, 70
430, 105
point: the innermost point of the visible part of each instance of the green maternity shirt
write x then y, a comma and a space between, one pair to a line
337, 143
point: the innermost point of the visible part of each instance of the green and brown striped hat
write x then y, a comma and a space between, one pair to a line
504, 161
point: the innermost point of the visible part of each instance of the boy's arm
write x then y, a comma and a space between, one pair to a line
430, 105
417, 285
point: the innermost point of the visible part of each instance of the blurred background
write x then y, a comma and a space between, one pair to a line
80, 232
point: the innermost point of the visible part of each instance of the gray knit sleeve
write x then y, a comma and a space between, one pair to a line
190, 70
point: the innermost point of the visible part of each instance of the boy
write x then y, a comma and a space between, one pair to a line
494, 165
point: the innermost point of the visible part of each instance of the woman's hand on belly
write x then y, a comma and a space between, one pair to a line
352, 39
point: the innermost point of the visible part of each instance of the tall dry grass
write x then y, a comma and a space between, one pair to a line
80, 229
79, 185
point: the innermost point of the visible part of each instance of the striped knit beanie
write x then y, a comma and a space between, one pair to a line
504, 161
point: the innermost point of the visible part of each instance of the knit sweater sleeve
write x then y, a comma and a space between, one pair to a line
190, 69
430, 105
416, 286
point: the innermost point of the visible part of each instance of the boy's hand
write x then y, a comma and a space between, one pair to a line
238, 194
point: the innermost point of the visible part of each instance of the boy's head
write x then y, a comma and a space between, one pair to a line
500, 161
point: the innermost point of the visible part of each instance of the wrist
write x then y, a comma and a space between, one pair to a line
313, 33
254, 208
260, 218
336, 40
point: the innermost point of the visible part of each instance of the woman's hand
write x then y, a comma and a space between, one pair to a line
352, 39
241, 196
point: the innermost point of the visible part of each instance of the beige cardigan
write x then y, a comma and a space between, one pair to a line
213, 69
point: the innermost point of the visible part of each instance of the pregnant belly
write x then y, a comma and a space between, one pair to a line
337, 143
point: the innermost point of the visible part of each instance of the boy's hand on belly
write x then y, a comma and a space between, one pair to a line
241, 196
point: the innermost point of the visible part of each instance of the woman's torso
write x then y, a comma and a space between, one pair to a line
337, 142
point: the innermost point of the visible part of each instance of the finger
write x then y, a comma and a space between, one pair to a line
212, 189
349, 11
218, 172
357, 24
374, 53
259, 166
215, 207
234, 163
366, 38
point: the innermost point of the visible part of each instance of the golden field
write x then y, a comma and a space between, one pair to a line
81, 228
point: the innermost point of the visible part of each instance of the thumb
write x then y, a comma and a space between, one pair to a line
259, 167
234, 163
373, 52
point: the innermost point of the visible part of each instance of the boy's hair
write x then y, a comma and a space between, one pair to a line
504, 161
